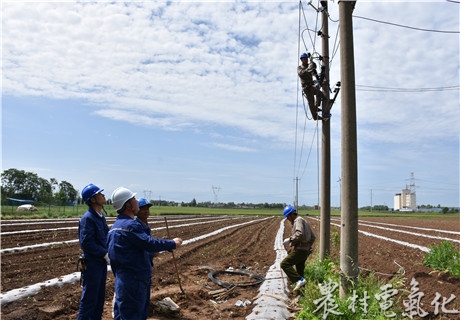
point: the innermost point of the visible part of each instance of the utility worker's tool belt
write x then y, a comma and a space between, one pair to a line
308, 85
304, 244
81, 266
81, 263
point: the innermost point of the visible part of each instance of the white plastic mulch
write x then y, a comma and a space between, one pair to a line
31, 290
272, 302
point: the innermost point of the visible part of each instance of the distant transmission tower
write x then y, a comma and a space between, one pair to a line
215, 190
412, 203
148, 194
412, 183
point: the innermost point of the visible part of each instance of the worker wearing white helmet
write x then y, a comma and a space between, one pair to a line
129, 248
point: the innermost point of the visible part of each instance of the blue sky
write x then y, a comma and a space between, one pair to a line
172, 98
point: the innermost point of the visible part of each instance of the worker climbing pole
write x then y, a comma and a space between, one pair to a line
311, 86
316, 87
316, 90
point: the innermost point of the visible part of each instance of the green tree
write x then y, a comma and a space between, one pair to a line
21, 184
45, 190
29, 186
380, 207
66, 193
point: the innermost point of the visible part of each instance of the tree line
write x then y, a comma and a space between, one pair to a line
19, 184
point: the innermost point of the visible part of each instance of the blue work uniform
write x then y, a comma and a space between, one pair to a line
129, 247
92, 233
148, 231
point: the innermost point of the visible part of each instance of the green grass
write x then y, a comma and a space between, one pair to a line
322, 275
445, 257
9, 212
44, 212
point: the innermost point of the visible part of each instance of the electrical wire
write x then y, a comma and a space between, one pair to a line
309, 152
389, 89
315, 55
258, 279
358, 87
312, 40
301, 148
336, 46
297, 103
404, 26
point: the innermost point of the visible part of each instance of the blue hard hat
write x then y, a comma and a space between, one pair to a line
304, 55
90, 191
288, 210
143, 202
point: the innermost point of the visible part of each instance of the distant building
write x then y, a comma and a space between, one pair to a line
397, 202
405, 201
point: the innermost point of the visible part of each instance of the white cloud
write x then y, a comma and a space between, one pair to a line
233, 147
213, 68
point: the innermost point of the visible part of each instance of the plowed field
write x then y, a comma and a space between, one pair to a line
249, 245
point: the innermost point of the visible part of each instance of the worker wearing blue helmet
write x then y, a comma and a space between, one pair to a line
142, 217
92, 234
300, 247
311, 90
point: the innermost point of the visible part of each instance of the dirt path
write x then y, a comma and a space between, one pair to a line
250, 245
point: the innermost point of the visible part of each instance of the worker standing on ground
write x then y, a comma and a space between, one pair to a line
129, 248
307, 72
92, 234
300, 247
142, 217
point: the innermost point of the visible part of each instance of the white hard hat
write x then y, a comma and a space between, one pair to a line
120, 196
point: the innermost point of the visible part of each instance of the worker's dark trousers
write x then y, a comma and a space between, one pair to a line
314, 97
295, 258
93, 292
131, 297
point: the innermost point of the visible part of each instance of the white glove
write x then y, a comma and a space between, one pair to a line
287, 241
106, 257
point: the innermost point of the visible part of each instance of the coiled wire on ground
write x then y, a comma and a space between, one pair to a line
257, 279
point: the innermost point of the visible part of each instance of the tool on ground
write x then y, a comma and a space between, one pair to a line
174, 259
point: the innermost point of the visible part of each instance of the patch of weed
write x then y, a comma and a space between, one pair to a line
361, 303
444, 257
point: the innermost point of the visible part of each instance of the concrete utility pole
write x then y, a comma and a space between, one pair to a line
349, 211
325, 222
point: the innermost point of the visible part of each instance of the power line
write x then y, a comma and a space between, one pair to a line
388, 89
313, 35
403, 26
